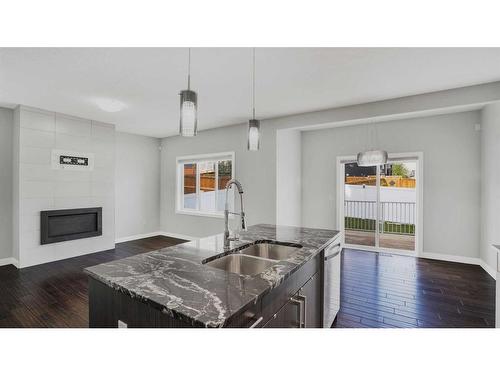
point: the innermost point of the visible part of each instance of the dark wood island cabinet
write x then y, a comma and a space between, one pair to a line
163, 289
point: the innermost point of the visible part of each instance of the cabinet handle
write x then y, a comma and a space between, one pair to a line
256, 322
304, 299
299, 303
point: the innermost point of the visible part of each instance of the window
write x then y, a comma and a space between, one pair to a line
201, 183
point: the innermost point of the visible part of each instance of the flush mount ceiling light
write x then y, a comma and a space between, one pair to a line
253, 124
109, 104
189, 107
372, 158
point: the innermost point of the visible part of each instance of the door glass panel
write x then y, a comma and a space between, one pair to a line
360, 204
397, 210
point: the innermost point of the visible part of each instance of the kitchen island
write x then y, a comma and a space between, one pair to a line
497, 304
184, 286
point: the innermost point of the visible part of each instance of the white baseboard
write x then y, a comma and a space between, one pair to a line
137, 237
436, 256
152, 234
462, 259
178, 235
488, 269
6, 261
450, 258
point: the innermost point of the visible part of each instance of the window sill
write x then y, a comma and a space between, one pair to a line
202, 214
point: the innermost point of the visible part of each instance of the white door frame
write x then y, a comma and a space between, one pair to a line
419, 158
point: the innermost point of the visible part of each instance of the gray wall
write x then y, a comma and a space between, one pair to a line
288, 177
40, 187
262, 190
255, 170
490, 196
451, 149
137, 182
6, 126
137, 178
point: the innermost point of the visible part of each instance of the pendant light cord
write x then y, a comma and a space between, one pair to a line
372, 136
189, 68
367, 137
253, 85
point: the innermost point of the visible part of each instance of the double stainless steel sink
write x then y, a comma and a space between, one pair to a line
241, 264
270, 251
254, 259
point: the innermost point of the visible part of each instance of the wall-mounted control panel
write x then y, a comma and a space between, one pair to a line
75, 160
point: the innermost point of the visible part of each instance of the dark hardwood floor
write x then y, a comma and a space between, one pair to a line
55, 294
378, 290
384, 290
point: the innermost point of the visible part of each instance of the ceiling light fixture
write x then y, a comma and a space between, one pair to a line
372, 158
188, 126
253, 124
109, 104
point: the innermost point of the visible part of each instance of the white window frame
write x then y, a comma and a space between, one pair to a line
180, 161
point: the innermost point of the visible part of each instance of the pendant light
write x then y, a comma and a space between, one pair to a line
253, 124
189, 107
372, 158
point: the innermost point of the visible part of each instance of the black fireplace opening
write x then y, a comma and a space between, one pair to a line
72, 224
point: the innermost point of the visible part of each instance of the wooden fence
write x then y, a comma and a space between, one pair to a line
392, 181
207, 183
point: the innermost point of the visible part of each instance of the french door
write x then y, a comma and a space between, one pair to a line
379, 206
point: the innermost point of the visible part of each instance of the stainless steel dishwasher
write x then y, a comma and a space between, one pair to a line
331, 286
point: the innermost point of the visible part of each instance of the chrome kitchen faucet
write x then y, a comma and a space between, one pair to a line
227, 238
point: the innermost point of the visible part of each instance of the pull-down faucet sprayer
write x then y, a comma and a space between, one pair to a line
228, 239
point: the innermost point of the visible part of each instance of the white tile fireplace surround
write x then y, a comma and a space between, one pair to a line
40, 185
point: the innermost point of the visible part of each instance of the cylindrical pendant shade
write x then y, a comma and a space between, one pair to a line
372, 158
253, 135
189, 114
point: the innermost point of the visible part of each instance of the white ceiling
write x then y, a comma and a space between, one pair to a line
289, 80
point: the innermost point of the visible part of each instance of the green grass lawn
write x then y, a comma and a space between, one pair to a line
369, 226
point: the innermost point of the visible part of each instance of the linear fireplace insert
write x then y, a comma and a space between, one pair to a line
72, 224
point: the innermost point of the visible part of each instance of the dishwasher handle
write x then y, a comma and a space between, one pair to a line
328, 257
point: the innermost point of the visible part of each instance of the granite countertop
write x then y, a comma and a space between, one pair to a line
175, 281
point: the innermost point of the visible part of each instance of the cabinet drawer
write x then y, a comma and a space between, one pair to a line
248, 318
278, 297
287, 317
302, 310
313, 304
